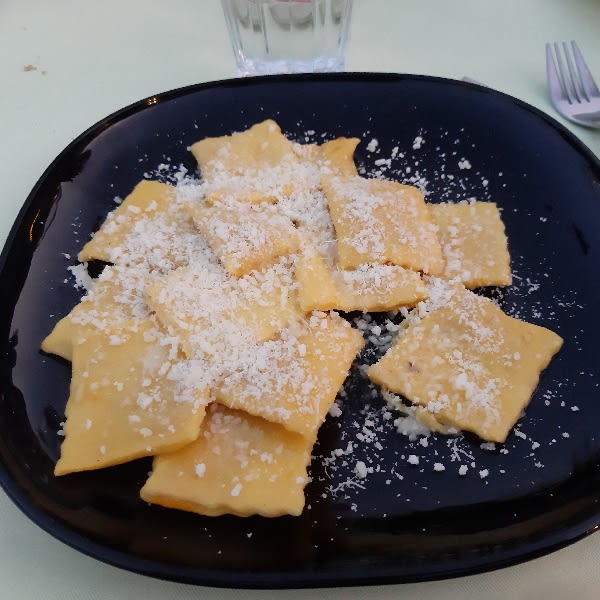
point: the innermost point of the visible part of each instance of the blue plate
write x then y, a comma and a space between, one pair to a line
404, 521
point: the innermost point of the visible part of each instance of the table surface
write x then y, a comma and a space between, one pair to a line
64, 65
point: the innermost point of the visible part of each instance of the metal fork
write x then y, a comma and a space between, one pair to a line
572, 88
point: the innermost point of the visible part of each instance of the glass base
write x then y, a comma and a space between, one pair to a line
321, 64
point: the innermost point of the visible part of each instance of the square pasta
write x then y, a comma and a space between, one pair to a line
473, 367
262, 145
240, 465
474, 243
216, 315
145, 201
335, 157
254, 165
151, 228
379, 221
293, 380
372, 288
244, 236
113, 299
310, 215
377, 288
131, 396
316, 286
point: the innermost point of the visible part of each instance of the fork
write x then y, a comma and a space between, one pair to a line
572, 89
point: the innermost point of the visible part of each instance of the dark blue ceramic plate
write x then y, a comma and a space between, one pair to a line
403, 522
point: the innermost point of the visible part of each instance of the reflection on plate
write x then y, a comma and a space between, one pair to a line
404, 521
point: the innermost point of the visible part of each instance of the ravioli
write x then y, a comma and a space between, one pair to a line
293, 380
474, 243
245, 237
213, 313
115, 299
469, 364
369, 288
251, 166
130, 396
379, 221
240, 464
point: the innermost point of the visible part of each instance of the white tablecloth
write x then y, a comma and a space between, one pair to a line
64, 65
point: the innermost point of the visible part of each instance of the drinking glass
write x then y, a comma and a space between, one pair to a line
288, 36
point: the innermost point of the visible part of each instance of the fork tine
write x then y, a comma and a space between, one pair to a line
574, 78
555, 87
590, 89
573, 91
564, 77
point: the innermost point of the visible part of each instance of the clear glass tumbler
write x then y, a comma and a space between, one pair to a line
288, 36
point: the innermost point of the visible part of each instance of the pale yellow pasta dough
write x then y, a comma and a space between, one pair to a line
254, 165
262, 145
372, 288
147, 200
113, 300
316, 286
473, 242
213, 313
469, 364
294, 379
127, 400
377, 288
60, 340
380, 221
335, 157
240, 464
245, 236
